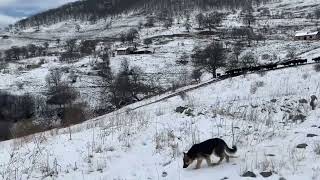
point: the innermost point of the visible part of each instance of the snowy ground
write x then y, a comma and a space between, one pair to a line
258, 112
147, 143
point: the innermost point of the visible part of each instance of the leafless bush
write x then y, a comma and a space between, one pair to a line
305, 76
5, 132
15, 108
262, 73
20, 85
33, 66
316, 67
316, 148
196, 75
74, 114
254, 87
3, 65
54, 77
25, 128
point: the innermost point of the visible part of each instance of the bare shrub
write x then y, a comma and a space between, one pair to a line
74, 114
316, 148
61, 94
20, 85
15, 108
305, 76
316, 67
183, 95
25, 128
5, 132
260, 84
3, 65
54, 77
254, 87
196, 75
262, 73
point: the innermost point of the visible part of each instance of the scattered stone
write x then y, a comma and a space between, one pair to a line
273, 100
189, 112
164, 174
302, 146
298, 117
303, 101
313, 102
270, 155
166, 164
224, 178
282, 178
266, 174
314, 126
311, 135
249, 174
254, 106
181, 109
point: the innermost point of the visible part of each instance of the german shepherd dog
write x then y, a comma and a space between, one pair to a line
203, 151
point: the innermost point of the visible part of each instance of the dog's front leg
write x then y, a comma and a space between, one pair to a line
199, 161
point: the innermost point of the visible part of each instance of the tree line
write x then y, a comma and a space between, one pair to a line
94, 10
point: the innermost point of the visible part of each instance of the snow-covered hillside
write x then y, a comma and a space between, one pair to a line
265, 115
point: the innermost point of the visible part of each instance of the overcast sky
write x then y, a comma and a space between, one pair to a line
12, 10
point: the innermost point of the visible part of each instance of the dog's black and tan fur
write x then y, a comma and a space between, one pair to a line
205, 149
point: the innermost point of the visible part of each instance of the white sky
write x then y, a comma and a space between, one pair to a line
12, 10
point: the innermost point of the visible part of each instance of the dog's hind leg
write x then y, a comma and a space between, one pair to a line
227, 157
222, 156
208, 159
199, 161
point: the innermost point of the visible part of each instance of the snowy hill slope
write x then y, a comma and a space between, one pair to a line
268, 118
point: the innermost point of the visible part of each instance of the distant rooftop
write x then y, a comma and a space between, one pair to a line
307, 33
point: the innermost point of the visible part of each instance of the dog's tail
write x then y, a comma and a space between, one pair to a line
230, 150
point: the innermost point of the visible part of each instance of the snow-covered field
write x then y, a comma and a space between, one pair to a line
255, 112
265, 114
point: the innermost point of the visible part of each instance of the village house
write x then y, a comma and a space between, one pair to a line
125, 50
4, 36
307, 36
142, 51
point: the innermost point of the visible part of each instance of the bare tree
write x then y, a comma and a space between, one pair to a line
147, 42
71, 45
249, 60
168, 23
78, 27
211, 58
201, 20
128, 86
317, 13
196, 75
248, 17
233, 62
237, 48
291, 53
54, 77
150, 22
187, 25
213, 20
132, 35
61, 95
